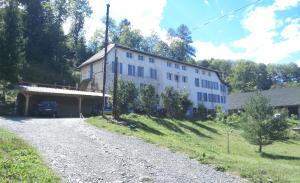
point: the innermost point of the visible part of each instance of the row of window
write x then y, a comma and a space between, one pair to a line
208, 97
177, 66
140, 57
210, 84
176, 77
132, 70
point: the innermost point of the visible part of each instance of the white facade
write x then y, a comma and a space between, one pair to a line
168, 73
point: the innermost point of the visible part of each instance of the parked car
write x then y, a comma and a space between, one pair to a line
47, 108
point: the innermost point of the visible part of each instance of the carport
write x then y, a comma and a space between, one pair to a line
71, 103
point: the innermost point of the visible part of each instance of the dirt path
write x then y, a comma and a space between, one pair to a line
79, 152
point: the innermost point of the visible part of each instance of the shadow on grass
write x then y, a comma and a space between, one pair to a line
205, 127
276, 156
143, 126
167, 124
193, 130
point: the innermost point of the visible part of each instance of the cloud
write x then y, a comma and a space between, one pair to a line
264, 42
143, 14
206, 2
207, 50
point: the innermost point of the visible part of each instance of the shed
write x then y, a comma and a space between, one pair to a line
71, 103
288, 98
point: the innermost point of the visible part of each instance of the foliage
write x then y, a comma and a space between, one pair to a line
175, 103
205, 142
126, 98
21, 163
261, 126
201, 111
148, 99
11, 43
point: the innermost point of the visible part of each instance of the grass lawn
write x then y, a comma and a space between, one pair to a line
20, 162
206, 142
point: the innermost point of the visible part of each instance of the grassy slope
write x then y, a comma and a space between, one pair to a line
20, 162
206, 142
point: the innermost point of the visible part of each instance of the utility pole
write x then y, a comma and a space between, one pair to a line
115, 93
105, 56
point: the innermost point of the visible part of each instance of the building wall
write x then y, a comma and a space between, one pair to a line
161, 82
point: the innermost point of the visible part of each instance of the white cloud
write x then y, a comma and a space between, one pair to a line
298, 63
206, 2
260, 44
143, 14
207, 50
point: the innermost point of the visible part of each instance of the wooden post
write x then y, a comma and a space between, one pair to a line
27, 98
299, 112
79, 105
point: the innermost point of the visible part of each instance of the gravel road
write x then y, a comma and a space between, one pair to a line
79, 152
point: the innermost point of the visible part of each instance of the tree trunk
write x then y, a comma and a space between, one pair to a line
260, 147
228, 150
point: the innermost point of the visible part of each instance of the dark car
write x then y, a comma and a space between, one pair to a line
47, 108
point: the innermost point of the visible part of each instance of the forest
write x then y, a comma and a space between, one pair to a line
35, 48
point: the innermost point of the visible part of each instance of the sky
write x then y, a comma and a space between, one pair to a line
265, 31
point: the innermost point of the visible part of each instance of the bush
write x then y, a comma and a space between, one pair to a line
201, 112
175, 104
147, 99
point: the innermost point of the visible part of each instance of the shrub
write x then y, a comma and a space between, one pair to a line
147, 99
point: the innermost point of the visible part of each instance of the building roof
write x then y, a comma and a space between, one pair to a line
98, 56
58, 91
278, 97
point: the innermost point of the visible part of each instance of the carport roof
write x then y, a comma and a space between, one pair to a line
57, 91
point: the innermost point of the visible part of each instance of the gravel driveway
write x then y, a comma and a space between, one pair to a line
79, 152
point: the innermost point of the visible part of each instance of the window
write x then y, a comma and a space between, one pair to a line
140, 72
131, 70
197, 82
91, 71
169, 64
120, 68
151, 60
210, 97
129, 55
176, 77
169, 76
176, 66
184, 79
183, 67
197, 71
153, 73
142, 85
141, 57
209, 73
203, 72
199, 96
205, 97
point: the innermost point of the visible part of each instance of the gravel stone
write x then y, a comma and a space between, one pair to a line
80, 152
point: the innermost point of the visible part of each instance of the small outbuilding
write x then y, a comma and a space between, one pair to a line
71, 103
288, 98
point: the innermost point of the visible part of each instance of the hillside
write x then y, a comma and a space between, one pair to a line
206, 142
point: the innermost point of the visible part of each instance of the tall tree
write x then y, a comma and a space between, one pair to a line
11, 43
181, 48
263, 80
79, 10
244, 76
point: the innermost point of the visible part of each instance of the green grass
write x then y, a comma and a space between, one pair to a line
206, 142
20, 162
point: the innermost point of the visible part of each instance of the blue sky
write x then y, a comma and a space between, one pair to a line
266, 32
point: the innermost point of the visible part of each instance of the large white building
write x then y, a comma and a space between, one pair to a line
203, 85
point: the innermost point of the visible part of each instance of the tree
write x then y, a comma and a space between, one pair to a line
228, 121
244, 76
184, 103
175, 103
11, 44
170, 100
148, 99
181, 48
263, 80
261, 126
126, 98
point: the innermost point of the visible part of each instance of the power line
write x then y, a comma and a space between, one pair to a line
232, 12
